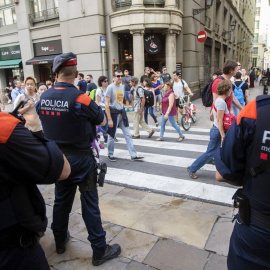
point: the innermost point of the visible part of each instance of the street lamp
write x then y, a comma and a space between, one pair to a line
232, 25
244, 39
208, 4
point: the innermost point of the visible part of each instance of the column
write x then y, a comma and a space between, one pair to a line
137, 3
171, 50
170, 4
138, 52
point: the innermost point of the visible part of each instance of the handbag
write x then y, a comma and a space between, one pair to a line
228, 119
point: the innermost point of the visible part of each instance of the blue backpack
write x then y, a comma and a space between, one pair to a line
238, 93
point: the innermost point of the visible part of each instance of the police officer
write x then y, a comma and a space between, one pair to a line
69, 117
244, 160
25, 161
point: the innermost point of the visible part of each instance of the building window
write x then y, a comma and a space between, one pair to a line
256, 37
7, 13
43, 10
255, 50
258, 11
257, 25
155, 3
254, 62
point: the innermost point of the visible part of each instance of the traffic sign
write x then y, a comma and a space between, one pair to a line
102, 42
202, 36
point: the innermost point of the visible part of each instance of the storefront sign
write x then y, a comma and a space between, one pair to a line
10, 53
152, 43
48, 48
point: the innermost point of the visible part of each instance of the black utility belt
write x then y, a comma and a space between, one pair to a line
248, 214
71, 151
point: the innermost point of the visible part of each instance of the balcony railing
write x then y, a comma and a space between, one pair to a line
207, 22
122, 3
44, 15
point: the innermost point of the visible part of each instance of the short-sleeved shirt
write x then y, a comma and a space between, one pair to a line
178, 88
40, 162
126, 82
15, 92
116, 95
32, 121
82, 85
91, 86
220, 105
244, 87
157, 91
214, 90
165, 77
138, 94
102, 94
145, 76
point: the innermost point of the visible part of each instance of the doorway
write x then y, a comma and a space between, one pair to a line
46, 73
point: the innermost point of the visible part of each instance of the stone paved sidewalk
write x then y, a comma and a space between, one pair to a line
155, 232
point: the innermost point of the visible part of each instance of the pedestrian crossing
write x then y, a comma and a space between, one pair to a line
164, 167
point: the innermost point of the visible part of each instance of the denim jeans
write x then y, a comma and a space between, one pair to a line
128, 138
236, 110
151, 111
65, 192
214, 143
173, 124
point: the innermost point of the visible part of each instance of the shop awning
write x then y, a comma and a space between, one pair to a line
10, 63
39, 60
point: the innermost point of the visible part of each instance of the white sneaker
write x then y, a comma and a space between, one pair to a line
9, 101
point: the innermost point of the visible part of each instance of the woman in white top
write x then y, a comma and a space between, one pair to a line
28, 111
217, 132
100, 100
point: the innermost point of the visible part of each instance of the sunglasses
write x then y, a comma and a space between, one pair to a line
105, 81
119, 76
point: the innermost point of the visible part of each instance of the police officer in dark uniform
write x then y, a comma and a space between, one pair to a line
69, 118
244, 160
25, 161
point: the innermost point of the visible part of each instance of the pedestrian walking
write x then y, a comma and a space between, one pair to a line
243, 161
139, 103
252, 78
217, 132
82, 84
128, 99
157, 86
17, 90
165, 75
8, 92
90, 84
168, 113
117, 116
25, 162
244, 76
69, 118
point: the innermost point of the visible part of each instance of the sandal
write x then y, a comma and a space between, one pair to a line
159, 140
180, 139
191, 174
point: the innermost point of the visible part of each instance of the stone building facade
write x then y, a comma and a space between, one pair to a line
138, 33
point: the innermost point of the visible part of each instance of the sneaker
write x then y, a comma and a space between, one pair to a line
131, 110
115, 139
111, 252
127, 110
61, 247
9, 101
136, 137
112, 158
137, 158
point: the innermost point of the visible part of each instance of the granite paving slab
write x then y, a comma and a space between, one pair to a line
216, 262
139, 266
135, 245
132, 193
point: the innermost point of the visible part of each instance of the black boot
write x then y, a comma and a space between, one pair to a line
61, 246
111, 252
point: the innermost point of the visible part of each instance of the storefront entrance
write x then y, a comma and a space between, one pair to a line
46, 73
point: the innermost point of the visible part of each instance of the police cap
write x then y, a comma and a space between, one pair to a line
64, 59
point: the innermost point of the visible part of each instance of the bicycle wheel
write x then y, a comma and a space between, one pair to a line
185, 122
194, 118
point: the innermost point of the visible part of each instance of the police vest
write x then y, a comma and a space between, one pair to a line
19, 204
257, 188
60, 116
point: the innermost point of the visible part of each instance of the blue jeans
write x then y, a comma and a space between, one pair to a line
18, 258
65, 192
173, 124
128, 138
236, 110
151, 111
249, 247
214, 143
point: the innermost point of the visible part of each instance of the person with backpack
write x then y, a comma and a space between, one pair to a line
217, 132
168, 112
240, 91
179, 87
100, 97
128, 99
139, 103
149, 100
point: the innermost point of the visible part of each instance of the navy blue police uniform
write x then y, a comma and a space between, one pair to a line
69, 118
25, 161
243, 156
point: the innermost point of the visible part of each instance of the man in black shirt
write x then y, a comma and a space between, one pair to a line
165, 76
90, 84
